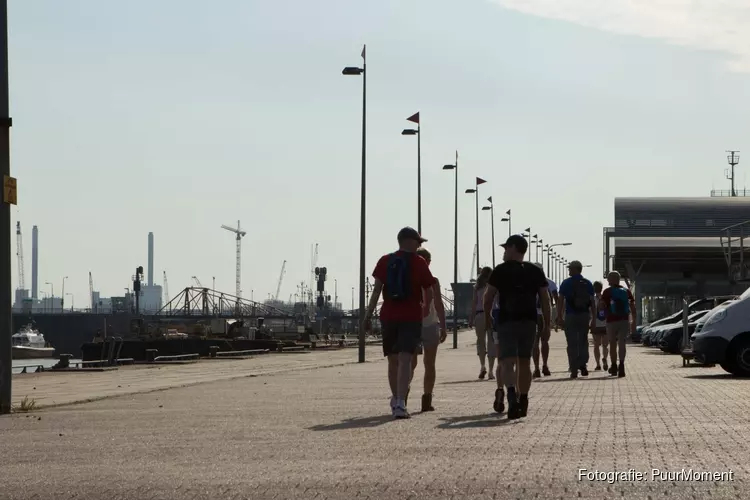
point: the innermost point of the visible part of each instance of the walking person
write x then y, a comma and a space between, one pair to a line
599, 334
486, 349
542, 338
434, 333
407, 285
576, 299
516, 284
619, 304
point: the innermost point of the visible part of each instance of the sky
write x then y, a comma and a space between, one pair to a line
179, 116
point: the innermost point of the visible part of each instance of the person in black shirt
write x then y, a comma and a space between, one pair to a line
516, 284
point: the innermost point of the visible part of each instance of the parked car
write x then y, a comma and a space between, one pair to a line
724, 338
648, 335
672, 338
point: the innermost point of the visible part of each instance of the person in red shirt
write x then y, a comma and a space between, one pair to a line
406, 282
619, 306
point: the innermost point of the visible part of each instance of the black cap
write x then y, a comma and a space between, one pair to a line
518, 242
409, 233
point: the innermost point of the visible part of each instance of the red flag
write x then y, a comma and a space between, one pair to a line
480, 181
414, 118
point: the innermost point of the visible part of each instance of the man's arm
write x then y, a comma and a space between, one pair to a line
376, 291
553, 297
544, 300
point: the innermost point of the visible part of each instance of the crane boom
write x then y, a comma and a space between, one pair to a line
281, 279
239, 234
19, 254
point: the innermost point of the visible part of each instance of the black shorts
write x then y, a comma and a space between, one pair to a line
516, 339
401, 336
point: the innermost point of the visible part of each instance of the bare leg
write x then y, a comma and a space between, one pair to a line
429, 369
509, 372
393, 372
597, 343
524, 375
404, 374
535, 353
499, 368
545, 352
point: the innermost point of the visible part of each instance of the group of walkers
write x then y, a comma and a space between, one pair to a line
513, 318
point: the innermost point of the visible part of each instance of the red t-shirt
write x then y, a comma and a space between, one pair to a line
409, 309
607, 297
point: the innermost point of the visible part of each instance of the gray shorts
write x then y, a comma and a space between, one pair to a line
431, 336
515, 339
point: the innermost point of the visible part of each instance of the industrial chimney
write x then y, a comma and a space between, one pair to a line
150, 259
34, 262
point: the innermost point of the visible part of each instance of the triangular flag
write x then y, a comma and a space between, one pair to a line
414, 118
364, 48
489, 199
508, 212
528, 229
480, 181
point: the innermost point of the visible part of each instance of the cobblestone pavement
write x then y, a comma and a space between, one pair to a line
327, 433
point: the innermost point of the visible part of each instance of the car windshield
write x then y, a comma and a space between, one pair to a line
745, 294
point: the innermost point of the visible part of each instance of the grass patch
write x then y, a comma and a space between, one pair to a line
25, 406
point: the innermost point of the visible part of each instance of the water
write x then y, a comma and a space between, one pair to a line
18, 364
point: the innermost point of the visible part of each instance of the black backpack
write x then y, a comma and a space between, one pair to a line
397, 284
580, 298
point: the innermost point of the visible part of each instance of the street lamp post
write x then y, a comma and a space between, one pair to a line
454, 167
356, 71
6, 329
507, 219
475, 192
566, 244
62, 296
410, 131
491, 208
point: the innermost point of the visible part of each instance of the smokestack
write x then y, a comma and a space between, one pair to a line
150, 259
34, 262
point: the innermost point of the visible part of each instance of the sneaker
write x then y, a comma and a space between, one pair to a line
598, 368
399, 412
545, 371
491, 375
427, 402
606, 368
584, 371
499, 404
513, 407
523, 405
482, 373
621, 371
613, 369
536, 373
393, 402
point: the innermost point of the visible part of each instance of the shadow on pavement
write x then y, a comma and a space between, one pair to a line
716, 376
484, 420
455, 382
568, 379
354, 423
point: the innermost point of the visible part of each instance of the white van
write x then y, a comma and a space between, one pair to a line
724, 338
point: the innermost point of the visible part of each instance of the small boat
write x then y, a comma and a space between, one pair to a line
29, 343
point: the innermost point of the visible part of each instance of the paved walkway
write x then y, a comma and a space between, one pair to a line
327, 433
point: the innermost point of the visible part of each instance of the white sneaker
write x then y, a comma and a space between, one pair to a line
400, 412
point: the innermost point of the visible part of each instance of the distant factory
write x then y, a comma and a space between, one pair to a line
150, 296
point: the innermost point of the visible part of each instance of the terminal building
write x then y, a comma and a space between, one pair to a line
675, 248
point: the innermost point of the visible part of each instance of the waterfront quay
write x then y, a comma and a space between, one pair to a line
317, 425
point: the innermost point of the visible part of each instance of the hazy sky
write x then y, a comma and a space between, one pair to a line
179, 116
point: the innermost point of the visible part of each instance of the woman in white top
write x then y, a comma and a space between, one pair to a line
484, 332
599, 333
433, 334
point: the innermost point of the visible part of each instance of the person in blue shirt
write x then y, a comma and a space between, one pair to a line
576, 299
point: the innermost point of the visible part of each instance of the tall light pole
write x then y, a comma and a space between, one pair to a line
550, 247
410, 131
62, 296
454, 167
475, 192
491, 208
353, 70
533, 240
6, 327
507, 219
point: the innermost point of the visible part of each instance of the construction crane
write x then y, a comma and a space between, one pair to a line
281, 279
91, 291
239, 233
19, 254
197, 282
166, 288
